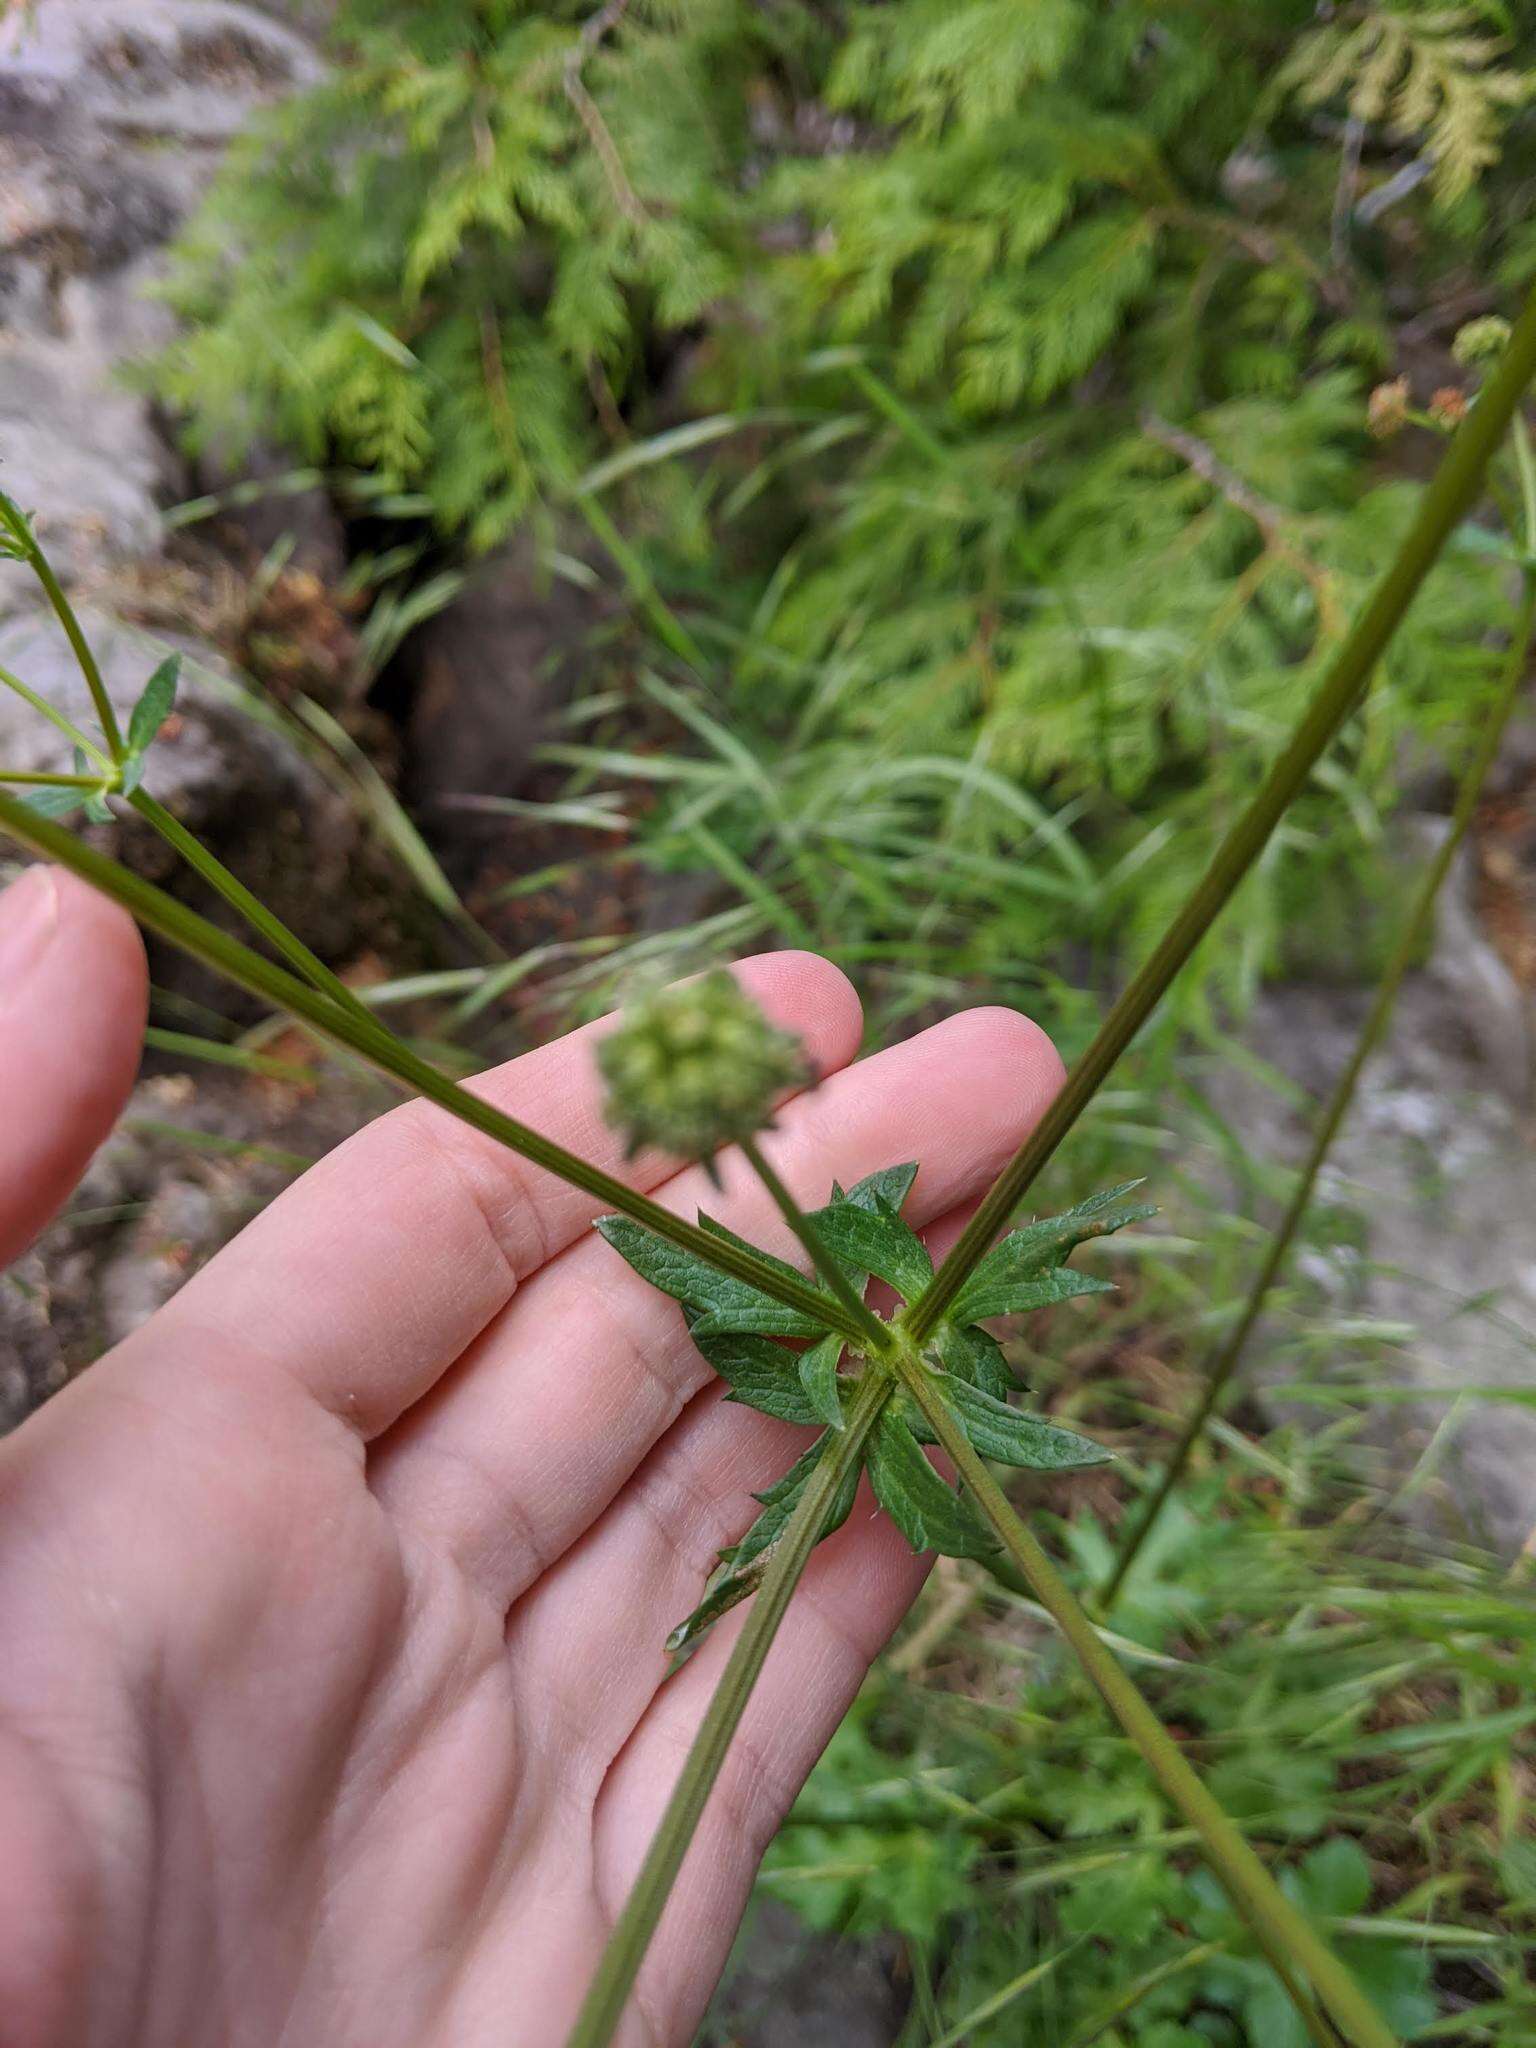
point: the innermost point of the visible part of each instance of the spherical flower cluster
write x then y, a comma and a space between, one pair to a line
692, 1068
1387, 412
1479, 341
1448, 406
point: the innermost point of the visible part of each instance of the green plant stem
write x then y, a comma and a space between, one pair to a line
1372, 1032
12, 517
37, 778
371, 1041
603, 2007
876, 1333
251, 908
1525, 470
56, 718
1445, 502
1287, 1937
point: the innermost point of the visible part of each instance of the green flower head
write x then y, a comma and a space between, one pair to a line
692, 1068
1481, 340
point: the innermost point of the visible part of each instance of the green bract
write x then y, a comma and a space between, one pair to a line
741, 1332
693, 1068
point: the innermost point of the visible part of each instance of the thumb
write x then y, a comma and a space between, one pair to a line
73, 994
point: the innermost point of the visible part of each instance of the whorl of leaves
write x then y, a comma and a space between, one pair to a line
743, 1336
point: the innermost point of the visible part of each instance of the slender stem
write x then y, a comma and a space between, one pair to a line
12, 517
1445, 502
371, 1041
251, 908
1287, 1936
1525, 469
1371, 1034
604, 2005
877, 1333
56, 718
37, 778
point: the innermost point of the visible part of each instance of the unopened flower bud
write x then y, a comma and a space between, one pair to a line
1387, 412
695, 1067
1480, 340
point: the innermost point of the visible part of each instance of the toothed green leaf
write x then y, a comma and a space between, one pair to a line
892, 1184
759, 1373
924, 1509
876, 1240
718, 1229
1000, 1293
727, 1306
789, 1483
1011, 1435
975, 1355
745, 1563
818, 1378
743, 1314
997, 1287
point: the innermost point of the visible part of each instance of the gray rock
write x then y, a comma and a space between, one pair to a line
790, 1988
187, 70
1437, 1164
112, 115
485, 676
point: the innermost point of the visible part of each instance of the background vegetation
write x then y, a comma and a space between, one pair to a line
974, 404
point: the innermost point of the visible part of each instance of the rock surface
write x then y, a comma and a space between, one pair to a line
484, 677
1437, 1168
112, 113
789, 1988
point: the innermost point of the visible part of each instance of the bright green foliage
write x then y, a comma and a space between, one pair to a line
985, 383
426, 264
1434, 74
1339, 1703
736, 1329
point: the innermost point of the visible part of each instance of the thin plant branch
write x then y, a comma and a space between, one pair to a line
603, 2007
15, 522
1445, 503
877, 1334
587, 111
1372, 1032
371, 1041
1288, 1938
1276, 526
250, 907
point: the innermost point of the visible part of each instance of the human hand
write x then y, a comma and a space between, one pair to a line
333, 1705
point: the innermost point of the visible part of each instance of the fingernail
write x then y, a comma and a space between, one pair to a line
29, 916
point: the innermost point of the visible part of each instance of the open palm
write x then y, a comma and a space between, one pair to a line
333, 1705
